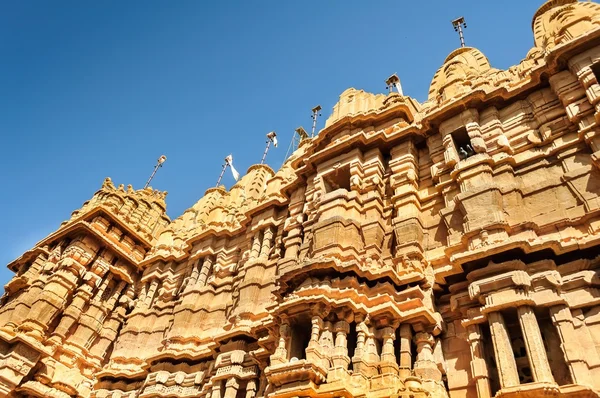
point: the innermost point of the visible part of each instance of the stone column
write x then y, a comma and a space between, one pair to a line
207, 265
314, 351
195, 274
326, 343
251, 388
267, 242
103, 286
505, 359
563, 321
358, 363
478, 365
370, 355
340, 357
216, 390
231, 387
280, 355
425, 366
255, 251
536, 352
405, 350
388, 357
51, 300
315, 331
73, 311
151, 292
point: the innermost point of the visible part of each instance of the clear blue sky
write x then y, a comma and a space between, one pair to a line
95, 89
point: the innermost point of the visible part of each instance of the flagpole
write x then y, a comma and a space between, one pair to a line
262, 161
159, 164
271, 138
222, 173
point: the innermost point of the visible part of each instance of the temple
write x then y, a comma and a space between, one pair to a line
446, 249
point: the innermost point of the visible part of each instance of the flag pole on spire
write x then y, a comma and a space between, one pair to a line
222, 173
159, 164
271, 138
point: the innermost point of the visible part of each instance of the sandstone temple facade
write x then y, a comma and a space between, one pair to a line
443, 249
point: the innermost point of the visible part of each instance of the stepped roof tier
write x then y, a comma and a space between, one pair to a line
440, 249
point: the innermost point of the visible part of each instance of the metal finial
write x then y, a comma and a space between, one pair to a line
162, 159
315, 115
459, 24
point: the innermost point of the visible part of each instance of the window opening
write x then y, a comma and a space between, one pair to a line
518, 345
352, 337
596, 70
462, 143
337, 179
552, 344
490, 358
300, 337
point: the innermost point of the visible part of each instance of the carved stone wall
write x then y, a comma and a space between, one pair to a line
443, 249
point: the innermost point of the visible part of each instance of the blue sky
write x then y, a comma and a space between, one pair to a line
96, 89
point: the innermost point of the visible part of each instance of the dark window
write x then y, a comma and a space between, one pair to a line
596, 70
462, 143
300, 338
337, 179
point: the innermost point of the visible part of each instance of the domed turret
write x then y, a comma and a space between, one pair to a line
457, 74
558, 21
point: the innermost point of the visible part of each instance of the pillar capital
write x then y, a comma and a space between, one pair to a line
341, 327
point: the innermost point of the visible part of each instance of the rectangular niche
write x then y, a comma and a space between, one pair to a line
337, 179
462, 143
596, 70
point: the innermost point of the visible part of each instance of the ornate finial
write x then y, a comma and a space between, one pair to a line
108, 184
459, 24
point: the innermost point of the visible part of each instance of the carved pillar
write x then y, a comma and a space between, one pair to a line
315, 331
52, 299
405, 350
216, 390
388, 357
563, 320
340, 357
143, 295
103, 286
256, 244
207, 265
450, 152
326, 344
195, 274
538, 360
425, 366
478, 365
370, 355
231, 387
505, 360
151, 292
315, 352
358, 363
73, 311
280, 355
266, 242
251, 388
110, 329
